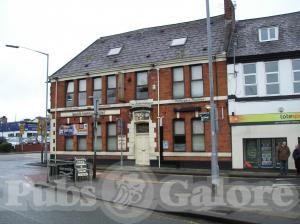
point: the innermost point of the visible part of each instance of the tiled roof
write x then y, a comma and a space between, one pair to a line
247, 39
150, 45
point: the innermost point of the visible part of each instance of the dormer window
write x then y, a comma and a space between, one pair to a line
178, 42
114, 51
268, 34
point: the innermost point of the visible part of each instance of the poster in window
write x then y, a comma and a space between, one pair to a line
266, 153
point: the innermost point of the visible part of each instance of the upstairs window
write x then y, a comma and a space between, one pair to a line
111, 89
272, 78
81, 141
179, 136
196, 81
178, 41
97, 93
250, 79
82, 93
268, 34
296, 72
114, 51
70, 94
142, 85
178, 83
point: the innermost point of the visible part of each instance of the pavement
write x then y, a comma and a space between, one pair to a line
200, 172
186, 199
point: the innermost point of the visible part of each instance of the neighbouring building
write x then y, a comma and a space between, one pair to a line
155, 82
264, 89
27, 130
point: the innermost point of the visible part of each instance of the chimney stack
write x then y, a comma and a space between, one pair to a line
229, 10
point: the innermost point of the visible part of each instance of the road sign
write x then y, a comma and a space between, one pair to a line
21, 128
205, 116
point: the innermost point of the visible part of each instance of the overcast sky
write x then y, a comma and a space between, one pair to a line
63, 28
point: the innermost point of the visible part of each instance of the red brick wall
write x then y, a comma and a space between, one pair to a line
167, 111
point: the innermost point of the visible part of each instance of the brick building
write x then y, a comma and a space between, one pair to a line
156, 81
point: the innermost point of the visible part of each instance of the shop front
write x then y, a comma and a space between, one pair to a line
255, 139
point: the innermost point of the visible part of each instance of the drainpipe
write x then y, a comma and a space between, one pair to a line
55, 114
158, 115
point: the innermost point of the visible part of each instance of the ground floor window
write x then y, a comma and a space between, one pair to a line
111, 137
69, 143
82, 146
179, 136
197, 135
261, 152
98, 143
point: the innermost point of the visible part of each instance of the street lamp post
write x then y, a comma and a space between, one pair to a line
214, 150
46, 110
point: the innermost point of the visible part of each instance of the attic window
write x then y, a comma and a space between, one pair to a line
114, 51
178, 41
268, 34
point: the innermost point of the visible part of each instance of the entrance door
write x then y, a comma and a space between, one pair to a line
142, 144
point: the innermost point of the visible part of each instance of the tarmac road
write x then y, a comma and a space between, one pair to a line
15, 176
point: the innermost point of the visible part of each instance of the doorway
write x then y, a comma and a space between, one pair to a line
142, 144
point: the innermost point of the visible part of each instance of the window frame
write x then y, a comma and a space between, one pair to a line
69, 93
252, 84
71, 139
110, 89
180, 135
272, 83
81, 137
98, 137
268, 32
196, 80
137, 86
176, 82
111, 136
294, 71
200, 134
82, 92
98, 89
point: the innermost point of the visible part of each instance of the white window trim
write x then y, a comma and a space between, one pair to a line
272, 83
268, 28
252, 84
294, 81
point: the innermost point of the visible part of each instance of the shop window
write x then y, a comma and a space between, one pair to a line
296, 72
142, 85
82, 93
70, 94
178, 83
82, 146
198, 135
179, 136
111, 89
98, 143
196, 81
111, 137
97, 93
69, 143
250, 79
272, 79
261, 152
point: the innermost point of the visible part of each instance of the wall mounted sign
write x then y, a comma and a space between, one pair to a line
256, 118
77, 114
73, 129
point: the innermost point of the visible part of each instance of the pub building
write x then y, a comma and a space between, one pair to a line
153, 81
